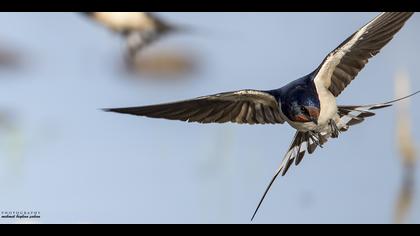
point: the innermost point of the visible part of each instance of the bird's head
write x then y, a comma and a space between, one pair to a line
299, 101
304, 113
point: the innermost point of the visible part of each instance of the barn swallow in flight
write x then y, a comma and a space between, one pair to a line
139, 28
307, 104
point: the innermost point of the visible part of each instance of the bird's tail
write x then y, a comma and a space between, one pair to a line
353, 115
304, 141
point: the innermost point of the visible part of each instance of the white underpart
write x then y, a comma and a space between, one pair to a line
328, 105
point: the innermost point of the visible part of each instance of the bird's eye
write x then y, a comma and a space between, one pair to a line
305, 111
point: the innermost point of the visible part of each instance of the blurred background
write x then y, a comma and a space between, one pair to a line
61, 155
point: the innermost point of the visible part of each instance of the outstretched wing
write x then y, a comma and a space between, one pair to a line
124, 21
243, 107
343, 64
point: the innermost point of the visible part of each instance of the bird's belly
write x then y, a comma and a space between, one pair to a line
328, 104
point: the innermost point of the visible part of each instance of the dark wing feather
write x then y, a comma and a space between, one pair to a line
161, 25
347, 60
243, 107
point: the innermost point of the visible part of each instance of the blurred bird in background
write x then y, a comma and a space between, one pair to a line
406, 149
10, 58
11, 145
307, 104
139, 28
164, 64
5, 120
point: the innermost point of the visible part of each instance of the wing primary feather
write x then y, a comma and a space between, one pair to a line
244, 106
350, 57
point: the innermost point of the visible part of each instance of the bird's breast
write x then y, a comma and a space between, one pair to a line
328, 104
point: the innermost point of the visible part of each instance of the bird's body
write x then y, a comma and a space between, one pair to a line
139, 28
317, 99
308, 104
